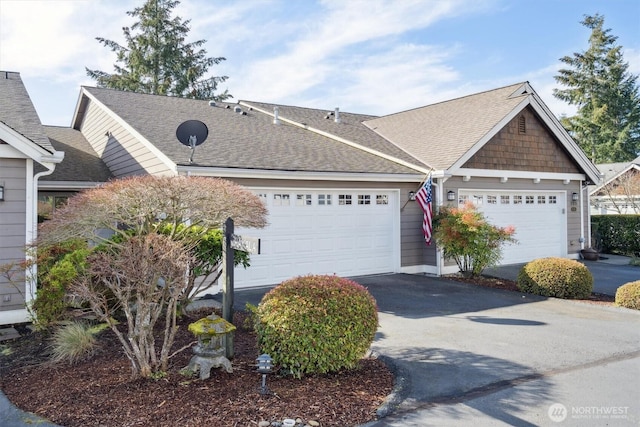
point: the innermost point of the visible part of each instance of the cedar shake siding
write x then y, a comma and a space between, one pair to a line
533, 148
12, 226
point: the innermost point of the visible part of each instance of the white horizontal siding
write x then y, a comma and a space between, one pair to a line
121, 150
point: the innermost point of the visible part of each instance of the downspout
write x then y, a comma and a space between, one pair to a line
440, 189
585, 188
439, 192
581, 216
31, 278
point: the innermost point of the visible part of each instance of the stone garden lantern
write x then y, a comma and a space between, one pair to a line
211, 331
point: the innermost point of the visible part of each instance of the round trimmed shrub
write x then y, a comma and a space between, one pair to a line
316, 324
556, 277
628, 295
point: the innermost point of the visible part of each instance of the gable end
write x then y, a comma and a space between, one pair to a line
524, 144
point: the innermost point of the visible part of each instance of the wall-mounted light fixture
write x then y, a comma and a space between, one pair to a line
412, 195
574, 197
1, 193
451, 195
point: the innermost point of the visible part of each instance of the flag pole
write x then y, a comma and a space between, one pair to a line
419, 187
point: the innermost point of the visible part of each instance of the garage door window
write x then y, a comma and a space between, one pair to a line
553, 200
529, 200
303, 200
505, 199
382, 199
344, 199
281, 200
542, 200
517, 200
324, 199
364, 199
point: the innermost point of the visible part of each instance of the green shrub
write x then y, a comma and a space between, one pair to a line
616, 234
75, 341
316, 324
466, 236
628, 295
54, 278
556, 277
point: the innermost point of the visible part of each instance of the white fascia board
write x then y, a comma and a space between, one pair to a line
10, 152
296, 176
144, 141
340, 139
565, 139
26, 146
67, 185
493, 173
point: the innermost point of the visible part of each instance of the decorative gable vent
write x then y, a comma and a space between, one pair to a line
522, 124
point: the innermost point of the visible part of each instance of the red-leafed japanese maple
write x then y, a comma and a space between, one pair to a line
146, 229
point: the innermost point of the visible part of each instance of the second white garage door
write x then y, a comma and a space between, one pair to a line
538, 217
345, 232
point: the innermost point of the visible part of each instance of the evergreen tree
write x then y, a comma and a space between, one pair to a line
157, 60
597, 81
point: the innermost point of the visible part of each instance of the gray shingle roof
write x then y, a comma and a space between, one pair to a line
81, 162
17, 110
350, 127
440, 134
610, 170
235, 140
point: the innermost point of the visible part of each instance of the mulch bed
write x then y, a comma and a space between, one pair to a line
100, 392
508, 285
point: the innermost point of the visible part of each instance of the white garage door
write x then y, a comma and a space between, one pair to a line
538, 217
347, 233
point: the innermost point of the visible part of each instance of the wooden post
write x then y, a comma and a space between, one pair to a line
227, 285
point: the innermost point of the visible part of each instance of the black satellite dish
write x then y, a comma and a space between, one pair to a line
192, 133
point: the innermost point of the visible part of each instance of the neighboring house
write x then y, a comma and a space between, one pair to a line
26, 156
619, 192
337, 185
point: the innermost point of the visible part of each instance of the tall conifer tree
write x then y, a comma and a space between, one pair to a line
597, 81
157, 59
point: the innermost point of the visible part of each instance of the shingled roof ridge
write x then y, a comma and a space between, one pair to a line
318, 110
446, 101
89, 88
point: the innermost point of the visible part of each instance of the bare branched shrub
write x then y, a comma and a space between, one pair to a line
145, 276
150, 231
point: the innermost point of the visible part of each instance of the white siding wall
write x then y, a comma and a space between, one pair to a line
122, 152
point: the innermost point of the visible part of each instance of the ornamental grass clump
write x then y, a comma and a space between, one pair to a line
628, 295
75, 341
316, 324
556, 277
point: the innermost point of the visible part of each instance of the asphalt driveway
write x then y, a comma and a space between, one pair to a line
486, 357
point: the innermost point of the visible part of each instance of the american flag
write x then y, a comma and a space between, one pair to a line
424, 198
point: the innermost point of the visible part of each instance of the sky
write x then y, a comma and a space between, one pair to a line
363, 56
